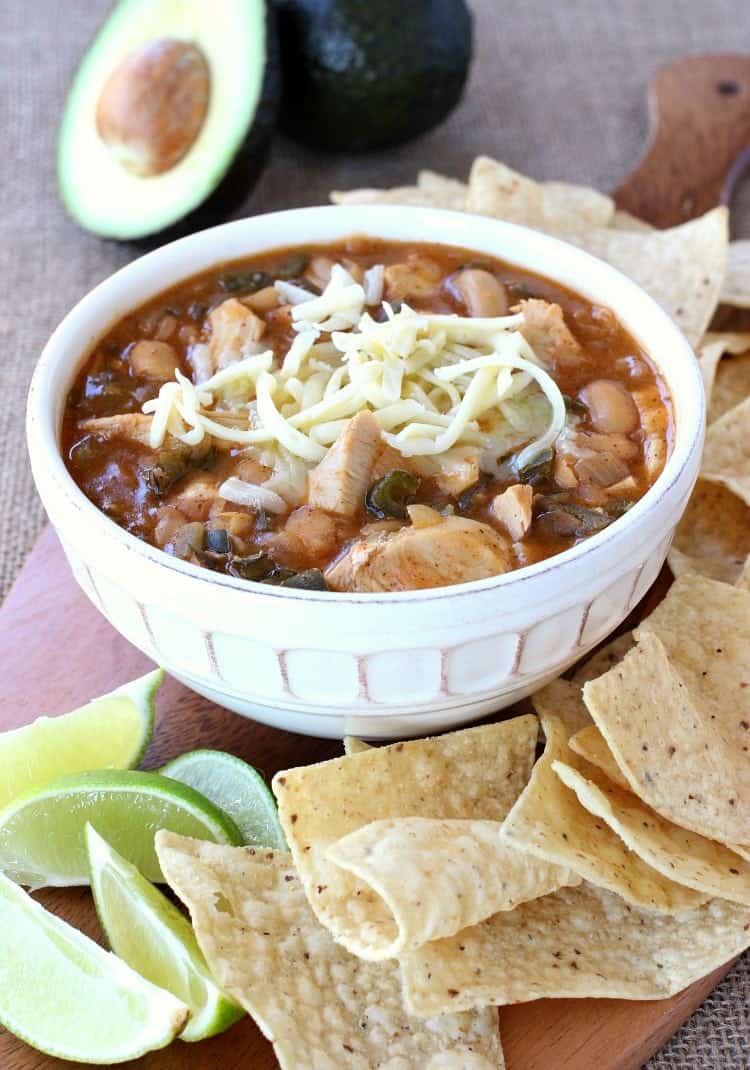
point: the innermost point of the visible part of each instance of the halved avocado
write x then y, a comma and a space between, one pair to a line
169, 117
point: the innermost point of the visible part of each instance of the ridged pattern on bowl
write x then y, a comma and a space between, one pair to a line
251, 674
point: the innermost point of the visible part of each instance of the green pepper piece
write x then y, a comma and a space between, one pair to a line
574, 406
254, 567
519, 290
312, 579
292, 266
217, 541
577, 520
536, 470
391, 494
173, 464
233, 282
619, 507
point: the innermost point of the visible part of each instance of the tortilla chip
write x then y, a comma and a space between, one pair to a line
397, 195
713, 537
450, 191
726, 455
577, 942
352, 745
741, 850
562, 699
590, 744
676, 853
743, 580
736, 288
732, 383
549, 822
676, 711
714, 345
438, 877
682, 268
496, 190
705, 629
471, 775
604, 658
320, 1006
709, 353
432, 191
623, 220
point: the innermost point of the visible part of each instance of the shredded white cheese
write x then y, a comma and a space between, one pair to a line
253, 495
433, 382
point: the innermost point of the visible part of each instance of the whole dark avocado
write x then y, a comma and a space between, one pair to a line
365, 74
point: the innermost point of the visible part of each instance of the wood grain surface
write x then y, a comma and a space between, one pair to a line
699, 142
56, 652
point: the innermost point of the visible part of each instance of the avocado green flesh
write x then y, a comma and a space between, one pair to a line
361, 76
98, 192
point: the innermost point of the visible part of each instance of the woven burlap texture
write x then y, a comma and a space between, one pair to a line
557, 89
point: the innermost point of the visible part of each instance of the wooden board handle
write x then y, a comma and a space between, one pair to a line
699, 139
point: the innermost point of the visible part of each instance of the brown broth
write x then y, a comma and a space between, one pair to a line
114, 473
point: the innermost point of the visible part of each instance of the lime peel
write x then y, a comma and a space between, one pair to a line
64, 995
149, 933
110, 732
237, 789
42, 833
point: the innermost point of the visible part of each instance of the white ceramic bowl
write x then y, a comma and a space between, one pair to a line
376, 665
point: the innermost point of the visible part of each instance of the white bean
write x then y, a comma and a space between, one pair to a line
611, 407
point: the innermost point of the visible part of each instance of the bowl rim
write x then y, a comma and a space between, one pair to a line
42, 437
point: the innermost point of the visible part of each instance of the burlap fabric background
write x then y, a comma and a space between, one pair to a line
557, 89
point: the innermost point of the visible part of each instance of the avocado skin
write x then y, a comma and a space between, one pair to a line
365, 74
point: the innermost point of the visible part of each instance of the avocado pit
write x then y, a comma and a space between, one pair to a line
154, 104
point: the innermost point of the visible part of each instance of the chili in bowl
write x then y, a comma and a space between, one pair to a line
381, 478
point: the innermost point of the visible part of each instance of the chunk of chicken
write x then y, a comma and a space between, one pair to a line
454, 551
417, 277
240, 526
589, 457
653, 417
512, 509
310, 535
131, 426
452, 475
458, 475
195, 495
234, 330
547, 333
386, 460
153, 360
340, 481
318, 271
263, 300
251, 470
169, 523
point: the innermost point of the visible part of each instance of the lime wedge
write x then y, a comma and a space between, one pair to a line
61, 993
112, 732
236, 788
156, 939
42, 833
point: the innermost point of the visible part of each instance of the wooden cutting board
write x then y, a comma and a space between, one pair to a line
56, 652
